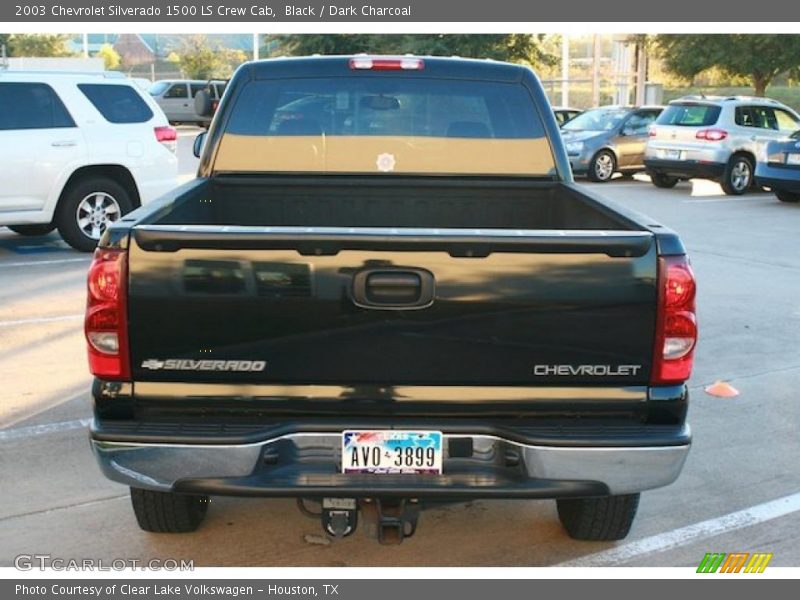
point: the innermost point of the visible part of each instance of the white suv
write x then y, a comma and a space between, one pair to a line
78, 151
715, 138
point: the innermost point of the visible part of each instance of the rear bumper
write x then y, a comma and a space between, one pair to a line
306, 464
685, 169
781, 179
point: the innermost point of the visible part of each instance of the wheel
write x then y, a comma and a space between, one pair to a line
600, 519
663, 181
738, 175
602, 166
88, 208
33, 230
165, 512
788, 197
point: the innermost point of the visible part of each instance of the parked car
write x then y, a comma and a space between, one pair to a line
607, 140
780, 168
78, 151
564, 114
403, 296
176, 99
207, 100
717, 138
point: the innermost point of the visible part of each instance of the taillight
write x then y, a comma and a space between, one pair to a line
106, 323
387, 64
168, 136
711, 135
676, 324
652, 131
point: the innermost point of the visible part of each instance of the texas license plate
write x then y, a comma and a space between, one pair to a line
793, 159
390, 451
669, 154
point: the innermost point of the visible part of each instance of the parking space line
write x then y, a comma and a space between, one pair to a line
33, 263
41, 320
36, 430
725, 199
684, 536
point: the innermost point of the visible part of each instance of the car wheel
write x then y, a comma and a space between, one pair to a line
602, 166
600, 519
33, 230
663, 181
167, 512
87, 210
788, 197
738, 176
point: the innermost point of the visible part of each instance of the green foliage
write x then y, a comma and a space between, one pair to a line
198, 58
110, 56
758, 57
38, 45
508, 47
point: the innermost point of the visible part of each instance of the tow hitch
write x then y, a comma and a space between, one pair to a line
390, 521
394, 520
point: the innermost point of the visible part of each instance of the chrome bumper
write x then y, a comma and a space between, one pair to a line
313, 460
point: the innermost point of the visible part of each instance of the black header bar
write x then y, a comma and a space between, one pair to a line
399, 11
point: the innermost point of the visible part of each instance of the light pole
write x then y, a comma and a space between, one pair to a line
564, 69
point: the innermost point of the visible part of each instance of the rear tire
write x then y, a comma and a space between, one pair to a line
663, 181
82, 228
601, 519
33, 230
166, 512
788, 197
602, 166
738, 175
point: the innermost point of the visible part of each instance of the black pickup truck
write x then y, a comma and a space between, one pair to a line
383, 291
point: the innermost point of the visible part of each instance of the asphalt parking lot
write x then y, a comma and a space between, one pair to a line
738, 492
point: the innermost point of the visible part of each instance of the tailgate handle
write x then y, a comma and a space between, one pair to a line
393, 289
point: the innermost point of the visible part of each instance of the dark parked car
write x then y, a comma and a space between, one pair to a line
610, 139
384, 290
781, 169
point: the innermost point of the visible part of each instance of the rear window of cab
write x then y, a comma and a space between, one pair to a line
689, 115
394, 124
385, 106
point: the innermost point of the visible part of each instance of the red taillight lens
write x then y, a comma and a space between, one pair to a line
168, 136
652, 131
106, 323
387, 64
676, 324
711, 135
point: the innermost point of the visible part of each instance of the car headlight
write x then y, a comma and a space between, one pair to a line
574, 147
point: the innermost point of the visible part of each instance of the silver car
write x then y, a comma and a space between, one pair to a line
176, 99
610, 139
717, 138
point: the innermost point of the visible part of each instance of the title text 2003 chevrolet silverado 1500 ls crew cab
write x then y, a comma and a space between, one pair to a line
384, 291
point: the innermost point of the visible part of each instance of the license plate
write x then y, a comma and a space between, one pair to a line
669, 154
390, 451
793, 159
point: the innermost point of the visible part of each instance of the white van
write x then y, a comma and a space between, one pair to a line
78, 151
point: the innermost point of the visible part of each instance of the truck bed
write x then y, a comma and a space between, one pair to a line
528, 276
422, 203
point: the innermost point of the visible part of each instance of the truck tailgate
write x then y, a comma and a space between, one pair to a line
387, 307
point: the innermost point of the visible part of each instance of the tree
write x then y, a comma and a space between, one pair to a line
198, 58
111, 58
38, 44
760, 58
509, 47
